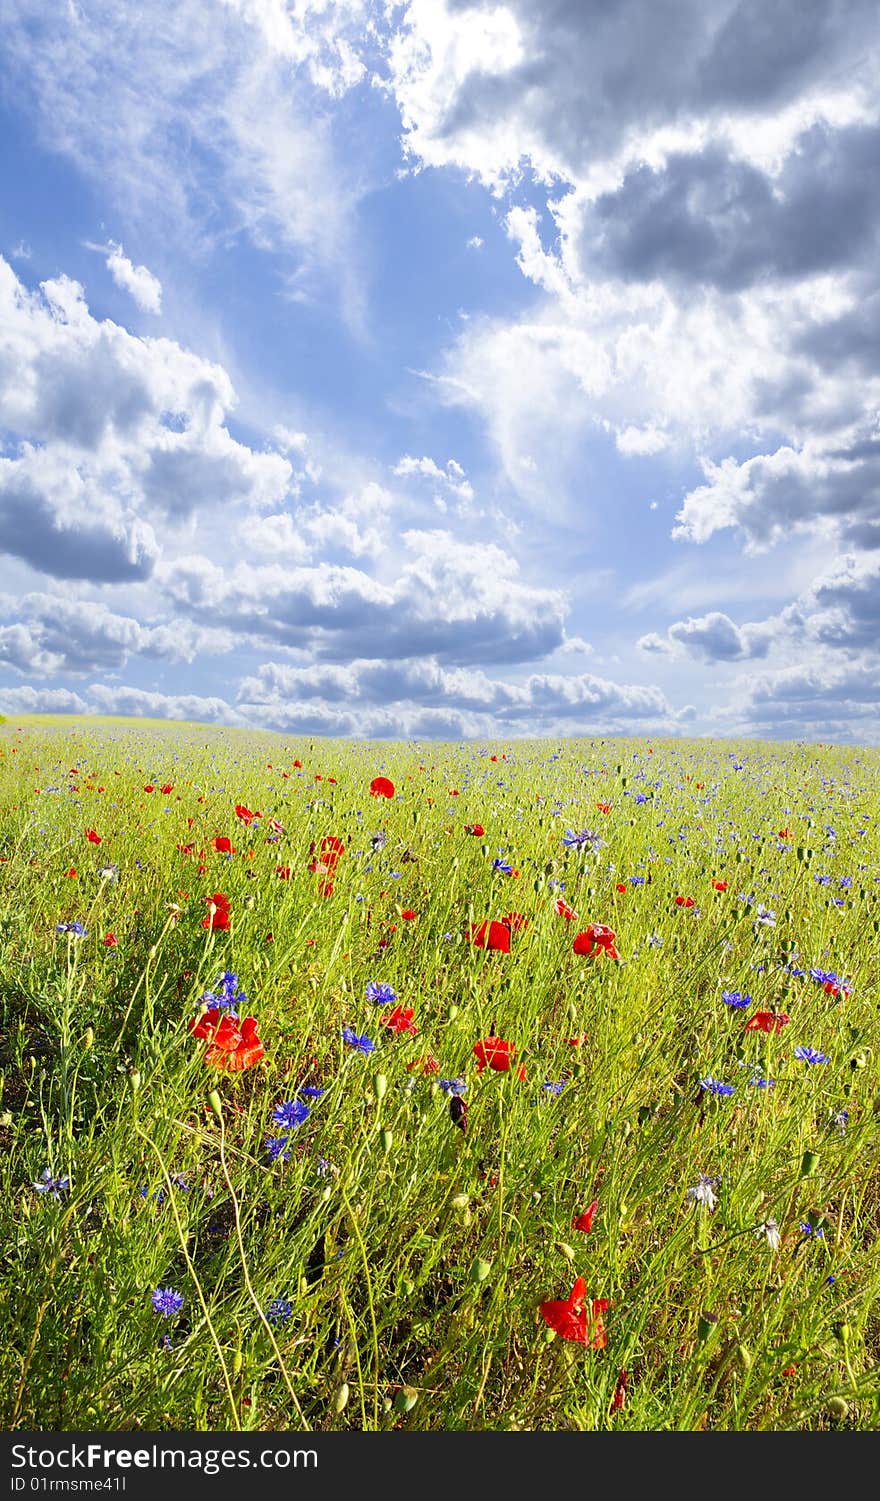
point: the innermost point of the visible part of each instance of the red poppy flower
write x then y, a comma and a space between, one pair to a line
218, 912
563, 910
494, 1053
426, 1065
767, 1021
332, 847
222, 845
597, 937
685, 901
475, 828
381, 787
408, 914
283, 872
569, 1317
515, 921
399, 1019
149, 787
233, 1045
166, 788
579, 1041
325, 888
186, 849
243, 813
719, 885
110, 941
584, 1222
72, 873
621, 886
298, 764
219, 899
490, 935
604, 807
783, 833
93, 837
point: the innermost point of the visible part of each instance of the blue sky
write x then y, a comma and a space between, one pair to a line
455, 368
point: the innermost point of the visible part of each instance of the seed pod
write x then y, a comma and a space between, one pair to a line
479, 1270
380, 1085
340, 1397
838, 1407
405, 1399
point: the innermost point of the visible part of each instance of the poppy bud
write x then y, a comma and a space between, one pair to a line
237, 1362
405, 1399
479, 1270
340, 1397
380, 1085
216, 1104
837, 1407
707, 1326
89, 1038
809, 1164
568, 1251
387, 1138
135, 1078
745, 1357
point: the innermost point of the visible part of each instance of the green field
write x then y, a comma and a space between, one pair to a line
377, 1254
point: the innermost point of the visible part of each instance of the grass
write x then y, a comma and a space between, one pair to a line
402, 1261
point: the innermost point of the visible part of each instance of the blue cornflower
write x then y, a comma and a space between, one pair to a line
636, 880
766, 917
579, 841
360, 1044
641, 797
312, 1092
504, 866
822, 880
49, 1185
455, 1087
714, 1086
279, 1311
166, 1301
380, 992
76, 928
760, 1083
808, 1229
655, 941
290, 1114
810, 1055
277, 1147
736, 999
554, 1089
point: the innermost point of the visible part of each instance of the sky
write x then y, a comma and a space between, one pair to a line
445, 369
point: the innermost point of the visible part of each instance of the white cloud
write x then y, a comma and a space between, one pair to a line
144, 287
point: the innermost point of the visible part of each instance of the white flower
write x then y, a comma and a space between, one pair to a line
703, 1192
770, 1231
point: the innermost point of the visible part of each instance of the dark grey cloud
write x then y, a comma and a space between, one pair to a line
54, 522
706, 217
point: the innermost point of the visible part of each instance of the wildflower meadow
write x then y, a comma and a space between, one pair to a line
371, 1085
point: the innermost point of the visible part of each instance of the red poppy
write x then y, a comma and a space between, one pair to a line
494, 1053
149, 787
283, 872
243, 813
584, 1222
621, 886
186, 849
767, 1021
298, 764
381, 787
563, 910
515, 921
218, 912
233, 1045
110, 941
598, 937
685, 901
579, 1041
490, 935
72, 873
325, 888
719, 885
428, 1064
166, 788
604, 807
783, 833
219, 899
399, 1019
93, 837
569, 1317
475, 828
408, 914
331, 848
222, 845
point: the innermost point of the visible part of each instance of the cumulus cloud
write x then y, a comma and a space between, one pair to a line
115, 434
41, 701
58, 634
380, 697
451, 599
827, 700
143, 286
